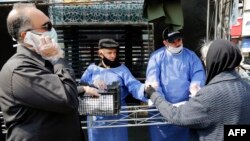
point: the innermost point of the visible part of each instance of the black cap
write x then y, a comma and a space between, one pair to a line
108, 43
171, 36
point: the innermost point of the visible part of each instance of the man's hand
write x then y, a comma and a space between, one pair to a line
153, 83
91, 91
149, 91
193, 88
100, 84
49, 49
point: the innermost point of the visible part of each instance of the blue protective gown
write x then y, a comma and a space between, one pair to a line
128, 84
173, 73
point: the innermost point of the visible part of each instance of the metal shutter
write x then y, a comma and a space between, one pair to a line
80, 45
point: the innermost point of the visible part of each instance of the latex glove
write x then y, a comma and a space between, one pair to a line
154, 84
91, 91
100, 84
179, 103
149, 91
194, 88
150, 103
49, 49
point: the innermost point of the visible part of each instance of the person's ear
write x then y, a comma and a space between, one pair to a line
23, 34
165, 42
100, 53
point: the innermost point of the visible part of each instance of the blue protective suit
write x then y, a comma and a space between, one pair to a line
128, 84
173, 73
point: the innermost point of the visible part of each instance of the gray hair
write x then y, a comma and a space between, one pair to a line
19, 21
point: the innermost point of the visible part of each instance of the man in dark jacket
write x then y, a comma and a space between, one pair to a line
38, 93
223, 101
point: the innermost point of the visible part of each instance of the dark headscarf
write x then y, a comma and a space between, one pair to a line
222, 56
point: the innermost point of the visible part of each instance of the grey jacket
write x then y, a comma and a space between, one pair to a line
38, 99
225, 100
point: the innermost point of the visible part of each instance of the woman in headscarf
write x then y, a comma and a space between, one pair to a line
223, 56
223, 101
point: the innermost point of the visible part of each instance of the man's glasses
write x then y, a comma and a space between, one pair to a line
47, 26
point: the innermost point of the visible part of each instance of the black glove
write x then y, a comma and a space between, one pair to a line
149, 91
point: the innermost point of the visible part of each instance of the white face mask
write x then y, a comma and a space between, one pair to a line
52, 34
174, 49
34, 38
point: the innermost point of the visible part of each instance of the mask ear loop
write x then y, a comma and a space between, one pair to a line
100, 53
13, 39
14, 45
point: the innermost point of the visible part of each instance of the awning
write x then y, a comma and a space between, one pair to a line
167, 11
236, 29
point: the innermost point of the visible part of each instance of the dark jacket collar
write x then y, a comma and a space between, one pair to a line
224, 76
32, 54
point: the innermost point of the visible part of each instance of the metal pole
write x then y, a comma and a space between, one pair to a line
215, 19
221, 19
230, 18
208, 14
